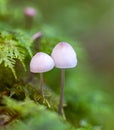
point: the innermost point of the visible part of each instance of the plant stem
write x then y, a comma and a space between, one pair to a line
41, 83
61, 92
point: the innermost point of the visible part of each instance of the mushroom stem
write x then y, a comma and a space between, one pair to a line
28, 22
29, 13
41, 83
61, 92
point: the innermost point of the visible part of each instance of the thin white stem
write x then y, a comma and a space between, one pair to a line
41, 83
61, 92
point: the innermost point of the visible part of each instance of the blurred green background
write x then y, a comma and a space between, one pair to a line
90, 24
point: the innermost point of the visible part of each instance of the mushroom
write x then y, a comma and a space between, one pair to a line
36, 36
29, 13
64, 57
40, 63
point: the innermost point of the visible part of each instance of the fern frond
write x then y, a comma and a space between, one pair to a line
24, 40
12, 49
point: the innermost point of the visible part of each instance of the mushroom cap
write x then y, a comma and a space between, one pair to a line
29, 11
36, 35
64, 55
41, 62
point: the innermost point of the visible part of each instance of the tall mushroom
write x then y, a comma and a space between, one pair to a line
64, 57
40, 63
29, 13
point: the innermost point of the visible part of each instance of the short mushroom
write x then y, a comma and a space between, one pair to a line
36, 36
40, 63
64, 57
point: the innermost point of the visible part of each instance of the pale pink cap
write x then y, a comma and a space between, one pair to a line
29, 11
64, 55
36, 35
41, 62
